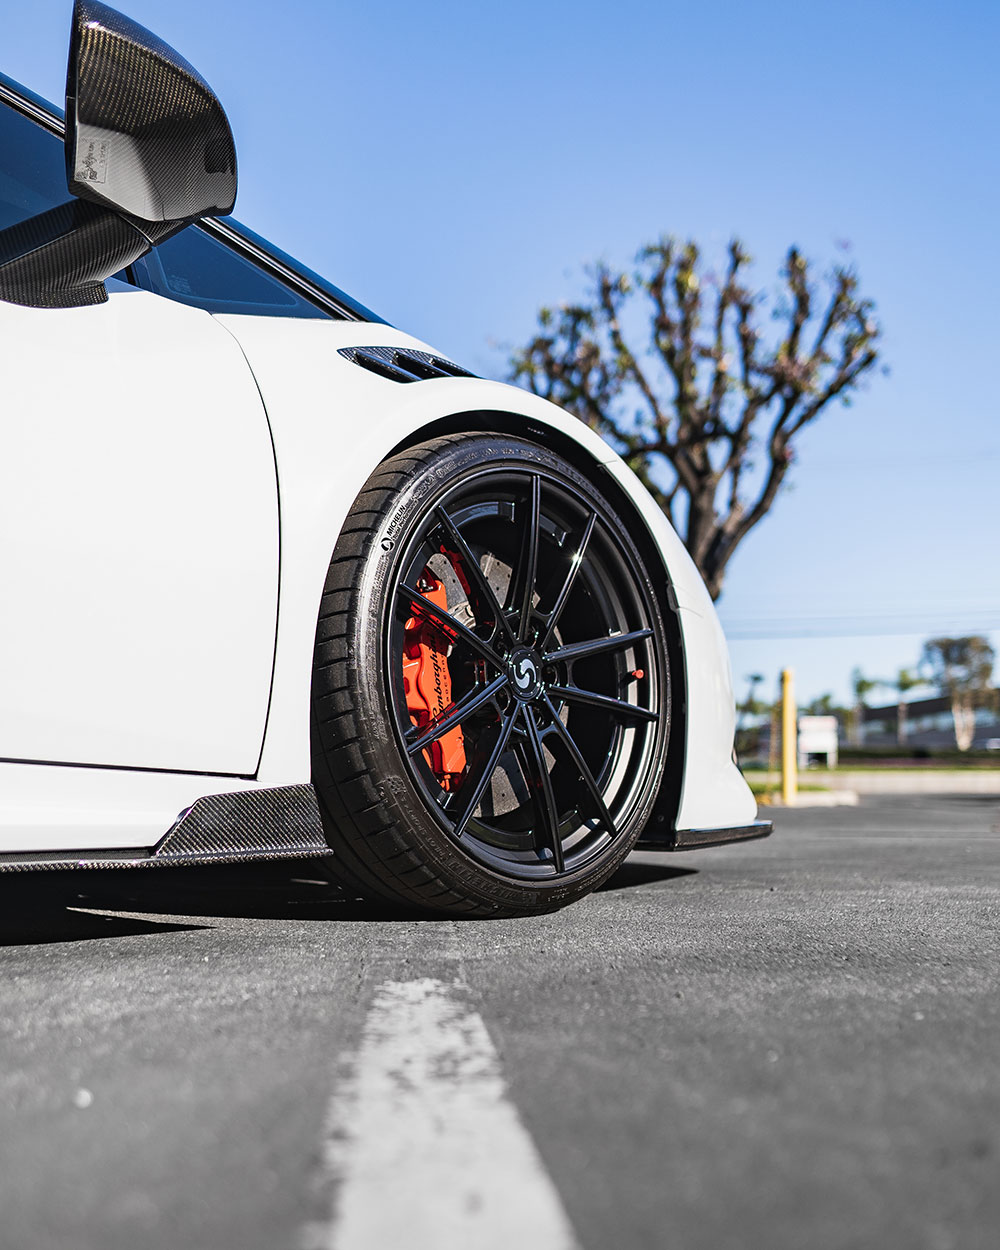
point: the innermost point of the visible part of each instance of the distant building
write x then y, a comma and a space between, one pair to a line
928, 724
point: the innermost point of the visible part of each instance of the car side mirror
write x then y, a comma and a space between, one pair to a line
145, 133
148, 150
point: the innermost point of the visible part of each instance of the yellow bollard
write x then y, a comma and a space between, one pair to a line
789, 738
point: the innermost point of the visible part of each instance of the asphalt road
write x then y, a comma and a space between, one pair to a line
792, 1043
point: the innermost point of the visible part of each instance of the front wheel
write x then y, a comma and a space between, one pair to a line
491, 693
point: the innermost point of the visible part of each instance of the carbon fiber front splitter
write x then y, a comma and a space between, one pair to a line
278, 823
693, 839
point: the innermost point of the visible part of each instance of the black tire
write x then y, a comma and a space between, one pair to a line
554, 710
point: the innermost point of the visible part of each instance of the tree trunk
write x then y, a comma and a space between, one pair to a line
965, 723
900, 723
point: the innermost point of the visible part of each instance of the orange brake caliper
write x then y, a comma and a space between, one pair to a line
427, 683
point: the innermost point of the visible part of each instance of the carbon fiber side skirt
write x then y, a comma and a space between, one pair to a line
278, 823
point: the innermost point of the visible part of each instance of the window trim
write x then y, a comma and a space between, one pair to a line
32, 107
221, 230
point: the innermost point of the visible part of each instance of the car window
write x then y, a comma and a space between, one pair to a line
194, 268
32, 169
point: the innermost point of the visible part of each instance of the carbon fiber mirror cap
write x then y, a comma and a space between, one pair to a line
145, 133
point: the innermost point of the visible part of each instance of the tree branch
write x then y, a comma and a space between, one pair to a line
724, 380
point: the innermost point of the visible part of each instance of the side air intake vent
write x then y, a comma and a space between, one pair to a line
402, 364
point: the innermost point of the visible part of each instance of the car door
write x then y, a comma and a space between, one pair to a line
138, 521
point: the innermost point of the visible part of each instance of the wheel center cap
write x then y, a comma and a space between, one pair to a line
525, 671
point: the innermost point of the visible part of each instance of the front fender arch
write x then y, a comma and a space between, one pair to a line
333, 423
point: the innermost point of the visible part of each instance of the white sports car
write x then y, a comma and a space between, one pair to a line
280, 580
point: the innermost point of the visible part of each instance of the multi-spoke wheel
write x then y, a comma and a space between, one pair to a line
491, 691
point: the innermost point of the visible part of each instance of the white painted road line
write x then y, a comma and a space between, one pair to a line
424, 1149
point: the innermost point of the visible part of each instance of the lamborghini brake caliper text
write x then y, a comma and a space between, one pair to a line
427, 683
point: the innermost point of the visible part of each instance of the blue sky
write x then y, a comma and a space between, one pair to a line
454, 166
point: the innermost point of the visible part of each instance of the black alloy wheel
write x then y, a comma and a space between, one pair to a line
491, 688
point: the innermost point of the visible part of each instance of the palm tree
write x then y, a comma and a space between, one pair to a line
905, 680
863, 686
750, 707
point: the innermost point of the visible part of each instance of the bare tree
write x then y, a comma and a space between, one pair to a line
706, 390
962, 669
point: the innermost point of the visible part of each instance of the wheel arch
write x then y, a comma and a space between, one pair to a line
326, 452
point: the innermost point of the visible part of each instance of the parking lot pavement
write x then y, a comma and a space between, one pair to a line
788, 1043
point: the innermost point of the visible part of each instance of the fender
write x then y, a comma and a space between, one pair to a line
333, 422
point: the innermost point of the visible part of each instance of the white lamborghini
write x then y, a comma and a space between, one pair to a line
280, 580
